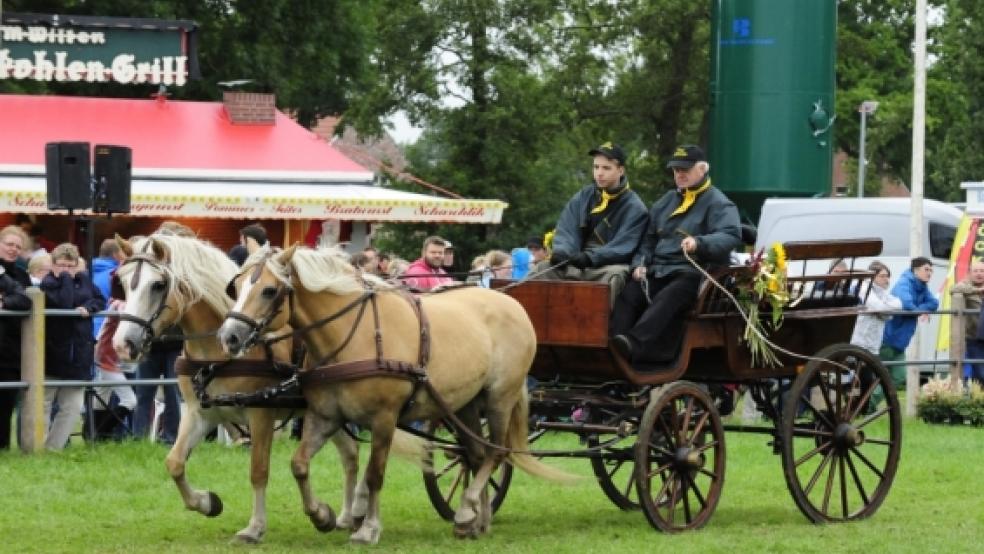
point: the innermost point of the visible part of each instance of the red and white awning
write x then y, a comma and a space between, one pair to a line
268, 200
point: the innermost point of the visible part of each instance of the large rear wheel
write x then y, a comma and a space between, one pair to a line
680, 458
840, 449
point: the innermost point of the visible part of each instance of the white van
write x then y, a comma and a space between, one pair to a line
807, 219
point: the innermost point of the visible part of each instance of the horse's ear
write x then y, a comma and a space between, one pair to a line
284, 257
124, 245
160, 250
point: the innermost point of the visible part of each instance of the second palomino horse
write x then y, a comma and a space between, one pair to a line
380, 359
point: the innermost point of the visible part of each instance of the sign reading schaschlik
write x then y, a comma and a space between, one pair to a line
97, 49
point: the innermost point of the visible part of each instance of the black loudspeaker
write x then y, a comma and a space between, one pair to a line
112, 179
67, 172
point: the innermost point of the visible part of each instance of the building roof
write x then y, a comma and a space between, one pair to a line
169, 136
188, 158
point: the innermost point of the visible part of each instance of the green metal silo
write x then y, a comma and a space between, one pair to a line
772, 98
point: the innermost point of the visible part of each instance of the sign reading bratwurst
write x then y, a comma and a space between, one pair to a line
70, 48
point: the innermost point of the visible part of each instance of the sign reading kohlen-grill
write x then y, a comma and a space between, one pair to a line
71, 48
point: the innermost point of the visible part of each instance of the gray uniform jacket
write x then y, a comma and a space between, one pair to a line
712, 220
619, 232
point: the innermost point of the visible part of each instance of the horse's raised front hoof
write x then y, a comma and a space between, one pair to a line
365, 535
214, 505
323, 518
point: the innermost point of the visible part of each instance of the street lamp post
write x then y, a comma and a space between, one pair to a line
866, 107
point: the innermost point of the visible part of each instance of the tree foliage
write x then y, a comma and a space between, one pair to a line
512, 93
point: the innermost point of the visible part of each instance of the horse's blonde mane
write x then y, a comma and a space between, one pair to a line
325, 269
203, 269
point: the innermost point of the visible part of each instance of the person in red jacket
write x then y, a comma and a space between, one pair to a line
426, 272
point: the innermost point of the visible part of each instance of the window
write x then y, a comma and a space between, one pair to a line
941, 239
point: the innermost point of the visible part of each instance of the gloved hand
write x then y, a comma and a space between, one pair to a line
581, 260
557, 258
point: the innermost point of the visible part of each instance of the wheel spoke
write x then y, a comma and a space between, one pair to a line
824, 391
697, 494
864, 398
820, 448
454, 487
857, 479
687, 411
666, 484
708, 473
686, 498
455, 462
616, 466
705, 447
629, 486
882, 442
828, 488
704, 417
659, 470
667, 433
820, 415
843, 485
816, 475
867, 462
810, 432
674, 495
872, 417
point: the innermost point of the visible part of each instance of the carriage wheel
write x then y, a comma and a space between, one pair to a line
615, 466
446, 476
615, 470
839, 452
680, 458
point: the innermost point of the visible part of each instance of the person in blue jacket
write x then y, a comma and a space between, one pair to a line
913, 291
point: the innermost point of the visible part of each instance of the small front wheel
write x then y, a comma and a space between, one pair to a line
680, 458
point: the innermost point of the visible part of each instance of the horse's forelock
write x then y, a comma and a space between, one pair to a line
203, 270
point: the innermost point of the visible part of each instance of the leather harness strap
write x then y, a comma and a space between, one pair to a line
232, 368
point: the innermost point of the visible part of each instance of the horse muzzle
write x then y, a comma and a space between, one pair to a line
233, 336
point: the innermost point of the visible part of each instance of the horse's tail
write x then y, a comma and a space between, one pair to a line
409, 447
517, 440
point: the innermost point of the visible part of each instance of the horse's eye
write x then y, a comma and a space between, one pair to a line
158, 286
269, 292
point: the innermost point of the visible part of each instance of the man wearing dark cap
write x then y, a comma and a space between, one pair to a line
600, 227
695, 218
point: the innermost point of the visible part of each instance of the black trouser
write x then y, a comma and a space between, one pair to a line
655, 327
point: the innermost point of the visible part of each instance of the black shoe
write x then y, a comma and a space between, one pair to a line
622, 344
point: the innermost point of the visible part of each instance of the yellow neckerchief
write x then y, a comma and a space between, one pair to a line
689, 197
606, 197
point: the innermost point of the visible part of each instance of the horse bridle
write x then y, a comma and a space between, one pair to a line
147, 325
276, 304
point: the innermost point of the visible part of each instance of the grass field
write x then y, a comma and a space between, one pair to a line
118, 498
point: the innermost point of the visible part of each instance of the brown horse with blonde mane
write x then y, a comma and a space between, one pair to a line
381, 359
169, 279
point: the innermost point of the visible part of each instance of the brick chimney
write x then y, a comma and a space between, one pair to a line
250, 108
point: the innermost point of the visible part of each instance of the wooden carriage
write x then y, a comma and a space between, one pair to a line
654, 433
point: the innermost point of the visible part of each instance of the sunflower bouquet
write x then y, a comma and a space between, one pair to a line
763, 292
